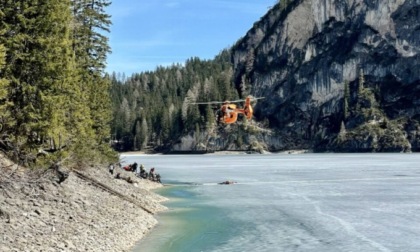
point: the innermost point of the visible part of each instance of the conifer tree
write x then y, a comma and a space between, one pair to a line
360, 89
3, 82
4, 114
164, 96
361, 81
144, 133
90, 45
137, 136
48, 76
346, 100
37, 38
342, 133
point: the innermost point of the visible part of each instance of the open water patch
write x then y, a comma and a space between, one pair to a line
190, 224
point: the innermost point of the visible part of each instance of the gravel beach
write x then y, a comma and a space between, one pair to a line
88, 211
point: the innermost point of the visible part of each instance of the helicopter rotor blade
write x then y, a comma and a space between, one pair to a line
251, 98
221, 102
211, 102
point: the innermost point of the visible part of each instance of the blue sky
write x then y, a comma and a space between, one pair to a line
147, 34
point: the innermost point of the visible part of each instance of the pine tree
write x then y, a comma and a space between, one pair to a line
90, 46
3, 91
360, 90
284, 3
144, 133
48, 75
89, 43
361, 81
342, 133
164, 96
346, 100
3, 82
209, 117
137, 136
37, 38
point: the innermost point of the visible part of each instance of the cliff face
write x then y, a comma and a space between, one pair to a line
336, 75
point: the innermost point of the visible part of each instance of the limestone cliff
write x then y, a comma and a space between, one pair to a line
337, 75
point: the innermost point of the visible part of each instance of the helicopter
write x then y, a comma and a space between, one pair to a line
229, 110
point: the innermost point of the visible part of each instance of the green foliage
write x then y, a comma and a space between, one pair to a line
90, 47
257, 147
383, 136
284, 3
371, 129
361, 81
37, 39
4, 87
161, 101
54, 100
346, 100
342, 134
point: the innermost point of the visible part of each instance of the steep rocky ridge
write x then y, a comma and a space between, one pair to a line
302, 56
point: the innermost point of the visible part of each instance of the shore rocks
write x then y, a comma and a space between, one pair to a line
38, 214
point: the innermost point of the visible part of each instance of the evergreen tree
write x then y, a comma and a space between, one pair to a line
90, 46
360, 90
342, 133
3, 91
284, 3
164, 98
137, 136
361, 81
3, 82
37, 61
144, 133
346, 100
47, 80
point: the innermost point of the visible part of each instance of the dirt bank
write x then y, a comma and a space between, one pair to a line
88, 211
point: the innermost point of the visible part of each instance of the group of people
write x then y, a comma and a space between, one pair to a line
139, 171
151, 175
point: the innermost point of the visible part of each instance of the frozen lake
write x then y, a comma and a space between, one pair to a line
305, 202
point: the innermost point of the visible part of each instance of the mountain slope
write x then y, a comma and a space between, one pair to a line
303, 58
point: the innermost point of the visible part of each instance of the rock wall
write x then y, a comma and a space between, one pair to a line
245, 137
38, 214
300, 57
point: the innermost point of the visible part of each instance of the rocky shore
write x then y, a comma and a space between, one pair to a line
89, 211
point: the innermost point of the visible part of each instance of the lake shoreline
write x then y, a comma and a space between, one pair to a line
89, 211
233, 152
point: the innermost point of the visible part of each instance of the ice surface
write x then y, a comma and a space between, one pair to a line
306, 202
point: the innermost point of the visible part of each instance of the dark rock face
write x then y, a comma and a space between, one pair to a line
302, 56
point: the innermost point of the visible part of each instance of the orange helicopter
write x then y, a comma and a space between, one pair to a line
229, 111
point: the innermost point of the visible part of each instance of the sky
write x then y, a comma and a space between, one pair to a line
148, 34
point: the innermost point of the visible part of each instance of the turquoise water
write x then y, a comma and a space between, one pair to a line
308, 202
189, 225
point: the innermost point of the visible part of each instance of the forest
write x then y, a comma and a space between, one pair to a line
153, 109
54, 92
58, 104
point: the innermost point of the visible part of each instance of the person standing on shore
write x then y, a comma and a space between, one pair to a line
111, 168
